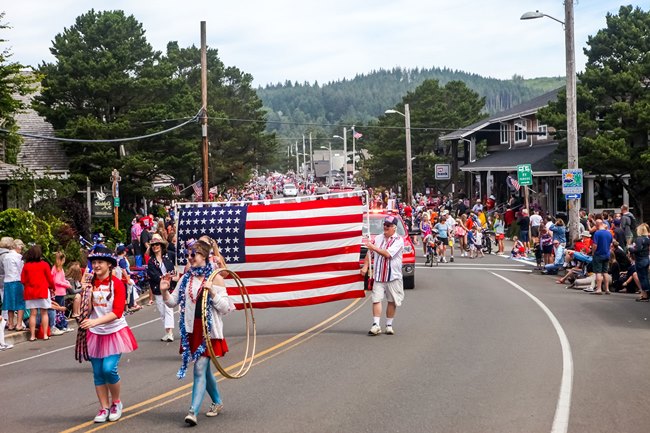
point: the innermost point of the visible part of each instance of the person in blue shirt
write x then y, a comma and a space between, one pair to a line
601, 245
442, 228
558, 263
559, 231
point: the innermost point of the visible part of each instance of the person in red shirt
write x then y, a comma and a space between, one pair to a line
39, 289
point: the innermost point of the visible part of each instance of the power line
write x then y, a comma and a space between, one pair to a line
108, 140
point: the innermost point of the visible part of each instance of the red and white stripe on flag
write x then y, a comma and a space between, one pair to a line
291, 254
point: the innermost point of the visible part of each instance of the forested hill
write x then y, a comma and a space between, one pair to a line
293, 106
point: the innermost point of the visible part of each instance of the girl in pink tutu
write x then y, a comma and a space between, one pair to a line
108, 335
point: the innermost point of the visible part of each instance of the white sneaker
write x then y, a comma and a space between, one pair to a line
169, 337
115, 412
215, 409
6, 346
56, 331
389, 330
68, 330
190, 419
444, 260
102, 416
375, 330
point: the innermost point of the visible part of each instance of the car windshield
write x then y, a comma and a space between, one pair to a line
289, 186
377, 225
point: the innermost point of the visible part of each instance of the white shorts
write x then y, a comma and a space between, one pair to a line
392, 290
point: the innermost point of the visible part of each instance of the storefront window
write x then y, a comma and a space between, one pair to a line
608, 194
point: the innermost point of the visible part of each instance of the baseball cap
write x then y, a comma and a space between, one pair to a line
391, 220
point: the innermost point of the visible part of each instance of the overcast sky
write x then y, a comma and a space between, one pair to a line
320, 40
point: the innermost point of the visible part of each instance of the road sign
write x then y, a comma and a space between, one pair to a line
572, 181
573, 196
116, 201
525, 174
443, 171
101, 206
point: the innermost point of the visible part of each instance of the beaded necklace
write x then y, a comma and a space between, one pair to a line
191, 288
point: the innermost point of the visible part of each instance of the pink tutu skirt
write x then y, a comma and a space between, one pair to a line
101, 346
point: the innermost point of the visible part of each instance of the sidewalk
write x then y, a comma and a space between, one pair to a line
14, 337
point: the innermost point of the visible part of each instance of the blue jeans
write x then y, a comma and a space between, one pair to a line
105, 370
642, 273
139, 260
552, 268
203, 379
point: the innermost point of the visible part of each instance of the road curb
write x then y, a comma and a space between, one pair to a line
14, 337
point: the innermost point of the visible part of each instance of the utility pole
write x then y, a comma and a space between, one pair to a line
354, 150
311, 156
297, 159
304, 158
409, 163
204, 111
571, 114
345, 157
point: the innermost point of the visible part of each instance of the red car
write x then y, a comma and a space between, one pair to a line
376, 219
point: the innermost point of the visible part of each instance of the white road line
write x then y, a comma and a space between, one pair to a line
563, 407
18, 361
478, 264
444, 267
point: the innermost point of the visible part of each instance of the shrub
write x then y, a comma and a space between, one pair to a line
25, 226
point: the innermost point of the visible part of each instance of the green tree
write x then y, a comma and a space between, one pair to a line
434, 110
12, 83
614, 103
107, 82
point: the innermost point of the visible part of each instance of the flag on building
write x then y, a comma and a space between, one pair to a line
357, 135
198, 189
513, 183
177, 189
287, 254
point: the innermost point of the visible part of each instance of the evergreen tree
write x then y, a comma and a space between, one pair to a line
107, 82
614, 103
433, 111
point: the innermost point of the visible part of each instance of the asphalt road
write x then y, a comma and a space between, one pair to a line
472, 353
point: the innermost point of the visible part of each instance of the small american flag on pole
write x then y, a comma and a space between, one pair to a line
198, 189
357, 135
513, 183
287, 254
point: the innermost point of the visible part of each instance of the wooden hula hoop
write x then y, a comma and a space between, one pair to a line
249, 354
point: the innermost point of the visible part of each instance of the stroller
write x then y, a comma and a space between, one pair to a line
486, 243
432, 243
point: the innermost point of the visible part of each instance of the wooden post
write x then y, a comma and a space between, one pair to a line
204, 114
115, 178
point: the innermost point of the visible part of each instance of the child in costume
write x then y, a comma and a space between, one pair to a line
189, 295
104, 334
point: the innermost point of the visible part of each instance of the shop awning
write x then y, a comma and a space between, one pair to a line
540, 157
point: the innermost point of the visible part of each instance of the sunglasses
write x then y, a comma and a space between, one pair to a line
192, 254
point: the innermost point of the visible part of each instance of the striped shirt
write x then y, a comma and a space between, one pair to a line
388, 269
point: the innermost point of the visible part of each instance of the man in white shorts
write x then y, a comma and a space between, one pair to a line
386, 253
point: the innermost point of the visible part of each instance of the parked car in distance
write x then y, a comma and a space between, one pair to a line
289, 190
376, 227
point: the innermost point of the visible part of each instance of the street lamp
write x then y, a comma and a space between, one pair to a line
329, 174
571, 104
409, 165
345, 153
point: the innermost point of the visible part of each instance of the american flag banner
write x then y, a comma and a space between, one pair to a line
288, 253
513, 183
198, 189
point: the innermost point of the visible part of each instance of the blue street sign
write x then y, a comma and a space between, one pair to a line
573, 196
